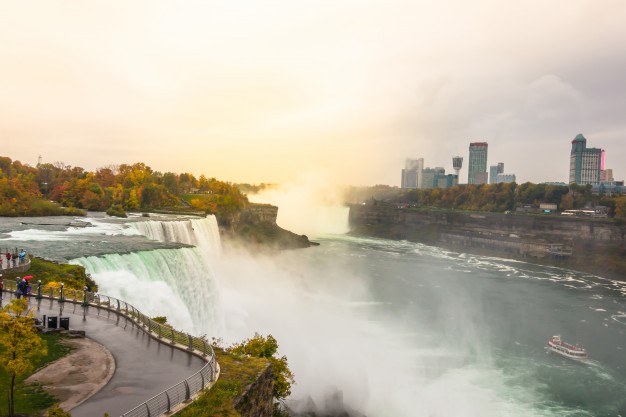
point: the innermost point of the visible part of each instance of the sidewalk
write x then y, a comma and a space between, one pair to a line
144, 367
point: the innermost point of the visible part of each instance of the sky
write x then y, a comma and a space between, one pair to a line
268, 91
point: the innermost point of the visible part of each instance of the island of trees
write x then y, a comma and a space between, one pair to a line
57, 189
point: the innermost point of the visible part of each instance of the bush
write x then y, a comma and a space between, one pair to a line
116, 210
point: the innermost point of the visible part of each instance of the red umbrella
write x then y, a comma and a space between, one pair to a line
27, 277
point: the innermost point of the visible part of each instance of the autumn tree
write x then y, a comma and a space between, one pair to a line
267, 347
20, 345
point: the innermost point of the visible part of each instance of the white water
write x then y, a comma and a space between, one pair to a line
179, 283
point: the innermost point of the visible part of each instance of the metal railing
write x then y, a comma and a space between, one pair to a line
172, 397
14, 265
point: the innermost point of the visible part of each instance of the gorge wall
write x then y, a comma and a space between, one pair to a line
257, 400
593, 245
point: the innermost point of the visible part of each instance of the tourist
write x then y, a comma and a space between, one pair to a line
18, 288
1, 286
22, 256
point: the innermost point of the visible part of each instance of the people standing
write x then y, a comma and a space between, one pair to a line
18, 288
1, 286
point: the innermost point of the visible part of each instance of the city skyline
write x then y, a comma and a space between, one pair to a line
271, 91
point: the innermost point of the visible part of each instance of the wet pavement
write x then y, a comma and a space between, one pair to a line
144, 366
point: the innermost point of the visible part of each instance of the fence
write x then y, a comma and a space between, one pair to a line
167, 400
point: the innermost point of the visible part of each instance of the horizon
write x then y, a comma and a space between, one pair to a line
266, 92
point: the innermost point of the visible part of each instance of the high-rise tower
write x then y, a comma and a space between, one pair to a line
412, 173
494, 170
477, 169
585, 163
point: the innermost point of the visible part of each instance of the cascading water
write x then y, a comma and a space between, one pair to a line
203, 233
177, 282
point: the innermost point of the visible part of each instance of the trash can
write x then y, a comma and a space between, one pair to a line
64, 323
52, 322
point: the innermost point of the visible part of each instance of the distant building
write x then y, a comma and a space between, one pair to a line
606, 175
430, 177
457, 164
585, 163
494, 170
412, 173
447, 181
477, 169
504, 178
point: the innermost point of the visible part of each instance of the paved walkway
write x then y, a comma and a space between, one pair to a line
144, 367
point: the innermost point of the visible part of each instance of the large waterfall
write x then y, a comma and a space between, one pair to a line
178, 283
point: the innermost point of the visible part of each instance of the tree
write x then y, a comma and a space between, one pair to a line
20, 345
267, 348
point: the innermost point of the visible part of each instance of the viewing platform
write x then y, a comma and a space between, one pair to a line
11, 266
158, 369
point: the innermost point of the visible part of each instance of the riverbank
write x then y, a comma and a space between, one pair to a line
595, 246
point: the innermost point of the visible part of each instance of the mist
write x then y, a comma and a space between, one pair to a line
309, 205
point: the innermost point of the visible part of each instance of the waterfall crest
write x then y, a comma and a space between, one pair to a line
178, 283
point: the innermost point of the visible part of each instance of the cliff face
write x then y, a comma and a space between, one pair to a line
593, 245
257, 399
256, 227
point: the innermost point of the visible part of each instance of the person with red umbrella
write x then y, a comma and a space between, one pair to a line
27, 287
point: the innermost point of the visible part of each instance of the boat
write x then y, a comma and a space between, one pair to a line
576, 352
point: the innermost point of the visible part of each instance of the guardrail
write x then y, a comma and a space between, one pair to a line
14, 265
166, 401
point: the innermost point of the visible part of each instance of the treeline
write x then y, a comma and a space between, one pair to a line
26, 190
502, 197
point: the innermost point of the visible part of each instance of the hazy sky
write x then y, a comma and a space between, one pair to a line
263, 91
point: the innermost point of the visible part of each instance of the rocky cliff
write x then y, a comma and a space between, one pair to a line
256, 227
257, 399
593, 245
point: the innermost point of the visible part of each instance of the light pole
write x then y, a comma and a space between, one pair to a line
85, 304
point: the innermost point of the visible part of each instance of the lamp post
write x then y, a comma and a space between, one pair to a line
61, 299
85, 304
39, 290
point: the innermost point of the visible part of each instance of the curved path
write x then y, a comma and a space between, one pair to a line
144, 366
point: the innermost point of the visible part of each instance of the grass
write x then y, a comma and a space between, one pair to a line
72, 276
236, 373
32, 399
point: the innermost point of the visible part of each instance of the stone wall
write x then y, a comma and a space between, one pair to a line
257, 399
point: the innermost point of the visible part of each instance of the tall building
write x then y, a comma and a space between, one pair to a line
494, 170
412, 173
477, 169
585, 163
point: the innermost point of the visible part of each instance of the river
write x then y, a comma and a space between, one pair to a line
393, 328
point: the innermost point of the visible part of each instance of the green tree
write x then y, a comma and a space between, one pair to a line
20, 345
267, 348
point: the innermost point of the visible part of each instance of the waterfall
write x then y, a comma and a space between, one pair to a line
203, 233
177, 283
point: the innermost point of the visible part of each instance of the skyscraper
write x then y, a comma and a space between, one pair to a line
585, 163
477, 169
494, 170
412, 173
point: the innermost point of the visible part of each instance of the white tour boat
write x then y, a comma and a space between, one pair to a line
556, 345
